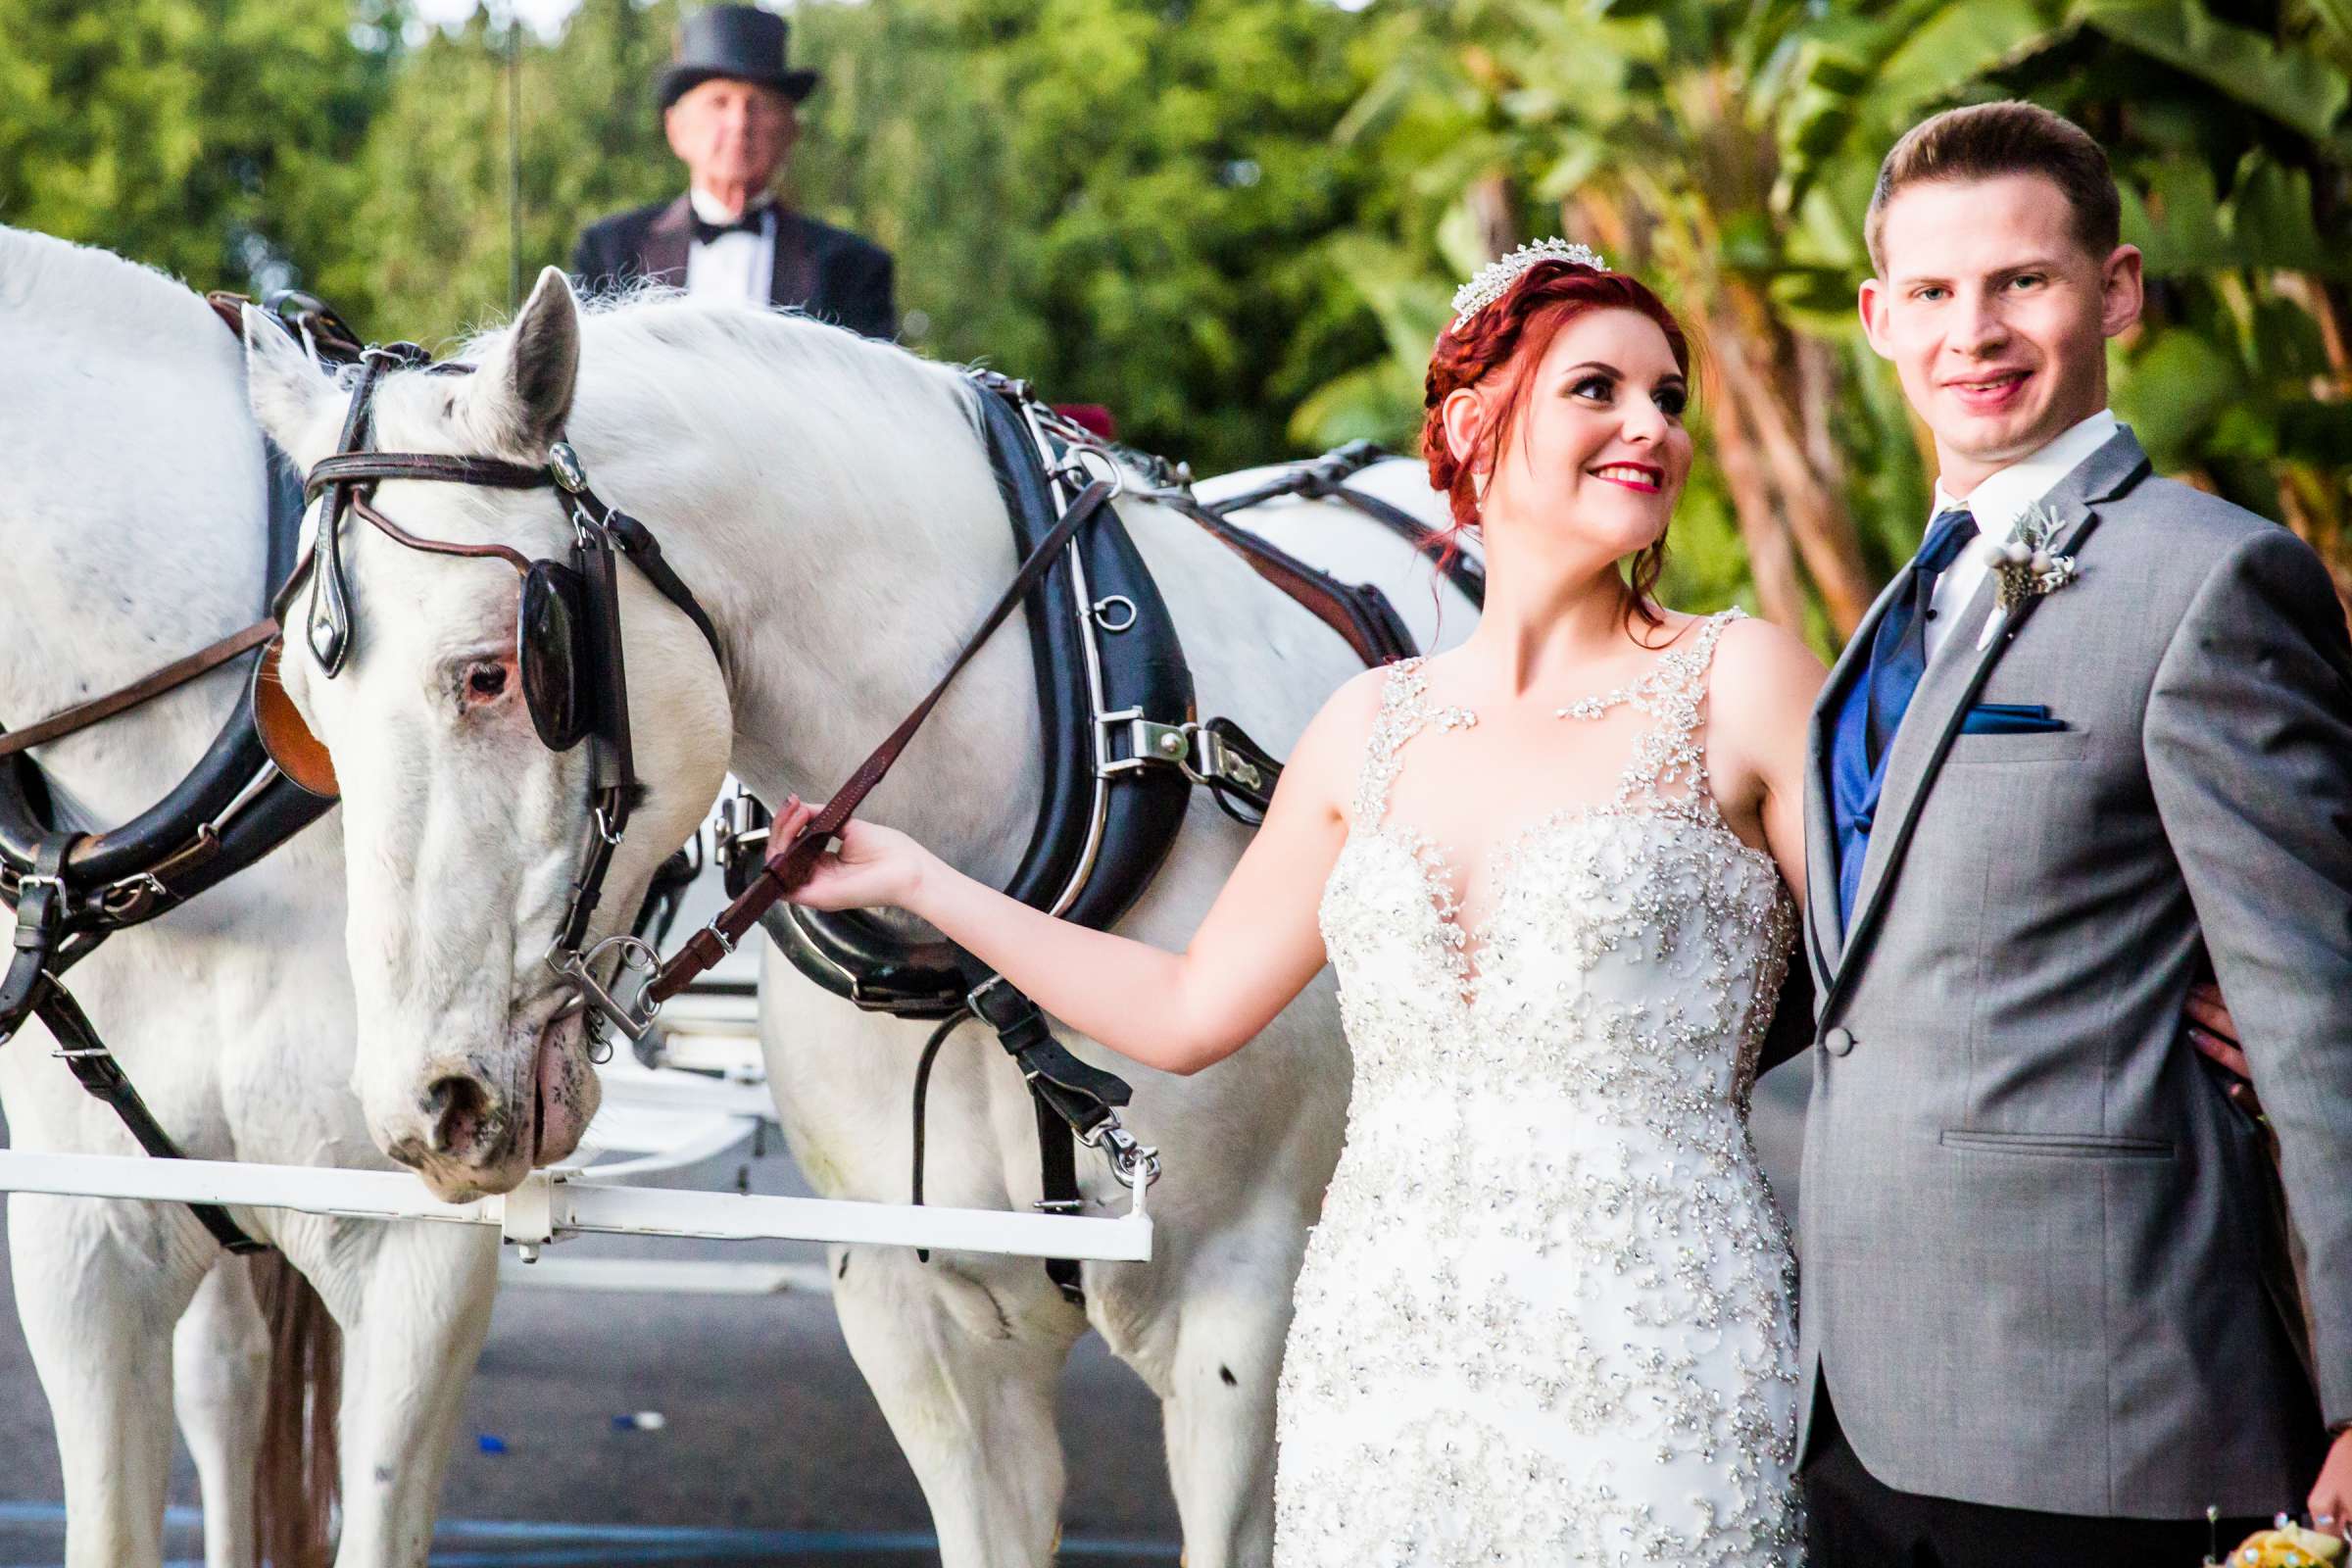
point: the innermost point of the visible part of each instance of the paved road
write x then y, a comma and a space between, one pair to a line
772, 1450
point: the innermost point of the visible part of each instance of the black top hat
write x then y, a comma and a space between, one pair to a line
740, 42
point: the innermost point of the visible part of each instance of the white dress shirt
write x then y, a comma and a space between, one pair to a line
740, 266
1998, 502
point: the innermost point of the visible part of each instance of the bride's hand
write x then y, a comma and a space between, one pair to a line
874, 866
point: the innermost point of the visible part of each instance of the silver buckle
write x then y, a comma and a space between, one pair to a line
1220, 760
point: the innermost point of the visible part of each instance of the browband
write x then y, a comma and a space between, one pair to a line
346, 467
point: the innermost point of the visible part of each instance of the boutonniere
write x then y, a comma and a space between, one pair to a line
2024, 566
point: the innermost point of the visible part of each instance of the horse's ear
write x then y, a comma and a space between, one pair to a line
285, 385
523, 392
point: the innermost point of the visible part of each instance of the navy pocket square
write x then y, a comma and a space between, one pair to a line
2010, 718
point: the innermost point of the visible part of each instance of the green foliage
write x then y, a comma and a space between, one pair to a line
432, 254
1118, 200
209, 137
1237, 222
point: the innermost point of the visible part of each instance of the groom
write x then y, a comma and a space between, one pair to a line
2041, 1316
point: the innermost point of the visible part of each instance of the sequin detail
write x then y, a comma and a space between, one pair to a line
1547, 1314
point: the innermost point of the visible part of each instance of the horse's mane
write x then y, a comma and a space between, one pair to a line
771, 401
54, 283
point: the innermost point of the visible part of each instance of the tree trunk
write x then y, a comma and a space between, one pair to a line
1490, 204
1771, 562
1822, 529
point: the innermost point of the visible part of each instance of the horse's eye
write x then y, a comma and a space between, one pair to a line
486, 681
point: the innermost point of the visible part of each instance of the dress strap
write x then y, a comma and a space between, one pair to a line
1669, 765
1403, 710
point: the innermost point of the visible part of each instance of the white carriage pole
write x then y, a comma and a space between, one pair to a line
551, 1204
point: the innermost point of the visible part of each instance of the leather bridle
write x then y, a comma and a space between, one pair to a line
1082, 1095
602, 536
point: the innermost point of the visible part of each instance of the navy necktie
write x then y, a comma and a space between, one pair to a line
1898, 653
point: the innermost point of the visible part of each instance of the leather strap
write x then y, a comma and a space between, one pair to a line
1361, 615
171, 677
1058, 1170
361, 467
95, 1069
40, 926
644, 551
1327, 476
1067, 1097
788, 864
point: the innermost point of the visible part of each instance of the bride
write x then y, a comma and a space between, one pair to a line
1547, 1315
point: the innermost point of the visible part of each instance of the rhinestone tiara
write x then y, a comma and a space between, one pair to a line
1495, 279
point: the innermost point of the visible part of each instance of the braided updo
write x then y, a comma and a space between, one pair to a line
1499, 346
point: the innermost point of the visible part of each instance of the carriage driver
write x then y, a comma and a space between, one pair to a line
728, 102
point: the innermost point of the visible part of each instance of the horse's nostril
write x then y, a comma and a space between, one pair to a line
459, 1108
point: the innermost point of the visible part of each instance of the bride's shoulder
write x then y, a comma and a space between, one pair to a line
1346, 718
1763, 660
1760, 689
1330, 751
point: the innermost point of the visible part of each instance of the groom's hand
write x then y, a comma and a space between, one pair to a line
2331, 1495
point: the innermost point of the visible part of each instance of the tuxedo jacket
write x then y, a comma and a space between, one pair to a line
830, 273
2042, 1264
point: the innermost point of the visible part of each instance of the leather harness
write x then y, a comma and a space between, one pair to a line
69, 891
1124, 748
1114, 691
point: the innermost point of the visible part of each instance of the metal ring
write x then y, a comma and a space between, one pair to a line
1101, 620
635, 952
1084, 458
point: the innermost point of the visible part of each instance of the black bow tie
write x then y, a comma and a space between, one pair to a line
753, 221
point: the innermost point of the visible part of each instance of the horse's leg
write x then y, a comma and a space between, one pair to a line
219, 1384
964, 1357
1217, 1381
413, 1303
99, 1287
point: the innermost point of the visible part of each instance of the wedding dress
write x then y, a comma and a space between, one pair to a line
1546, 1317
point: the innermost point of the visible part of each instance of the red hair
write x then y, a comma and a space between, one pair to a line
1501, 345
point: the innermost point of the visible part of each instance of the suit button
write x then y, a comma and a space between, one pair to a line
1837, 1042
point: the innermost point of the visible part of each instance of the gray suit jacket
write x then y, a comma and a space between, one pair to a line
2040, 1265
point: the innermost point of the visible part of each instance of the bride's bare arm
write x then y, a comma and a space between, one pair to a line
1758, 704
1257, 949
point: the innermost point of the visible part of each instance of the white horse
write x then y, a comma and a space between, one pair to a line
830, 501
131, 524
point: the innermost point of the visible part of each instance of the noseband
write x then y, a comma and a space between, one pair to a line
602, 536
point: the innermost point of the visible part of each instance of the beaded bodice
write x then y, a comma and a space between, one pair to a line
1548, 1267
1592, 908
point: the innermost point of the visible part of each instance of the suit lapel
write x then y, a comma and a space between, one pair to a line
663, 256
1824, 930
1941, 705
793, 281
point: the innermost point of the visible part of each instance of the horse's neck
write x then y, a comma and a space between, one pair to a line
836, 639
131, 528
